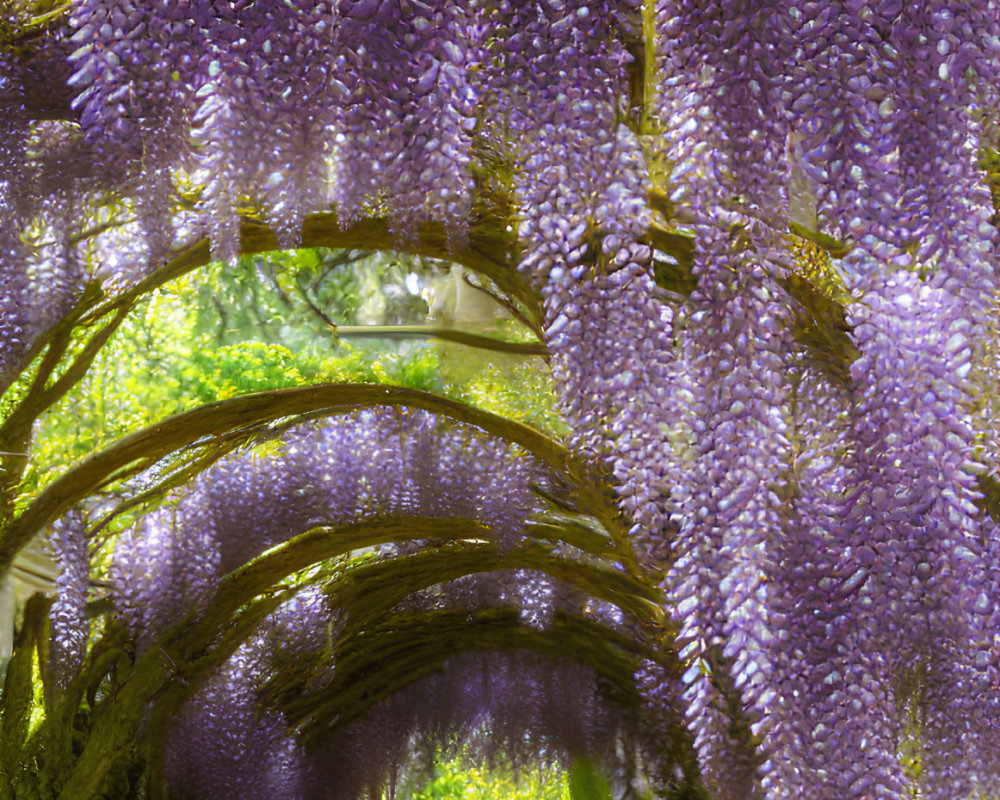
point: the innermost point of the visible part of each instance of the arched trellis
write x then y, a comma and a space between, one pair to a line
583, 547
489, 252
183, 656
193, 441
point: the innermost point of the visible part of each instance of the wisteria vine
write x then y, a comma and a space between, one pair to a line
822, 542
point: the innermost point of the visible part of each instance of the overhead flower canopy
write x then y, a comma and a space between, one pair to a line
758, 242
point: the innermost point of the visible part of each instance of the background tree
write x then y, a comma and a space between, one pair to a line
755, 557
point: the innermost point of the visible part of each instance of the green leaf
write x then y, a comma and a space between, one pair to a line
586, 782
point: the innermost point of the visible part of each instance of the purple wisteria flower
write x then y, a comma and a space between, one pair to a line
377, 464
371, 464
70, 625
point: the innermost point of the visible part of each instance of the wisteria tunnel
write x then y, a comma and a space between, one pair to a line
674, 474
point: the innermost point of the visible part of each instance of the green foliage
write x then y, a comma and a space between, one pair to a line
517, 389
230, 332
296, 297
415, 366
457, 780
586, 782
134, 381
217, 373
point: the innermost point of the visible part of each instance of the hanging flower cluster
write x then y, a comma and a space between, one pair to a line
873, 105
367, 465
375, 465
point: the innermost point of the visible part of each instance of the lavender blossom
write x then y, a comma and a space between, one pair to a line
407, 112
365, 465
162, 570
915, 511
70, 625
223, 742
